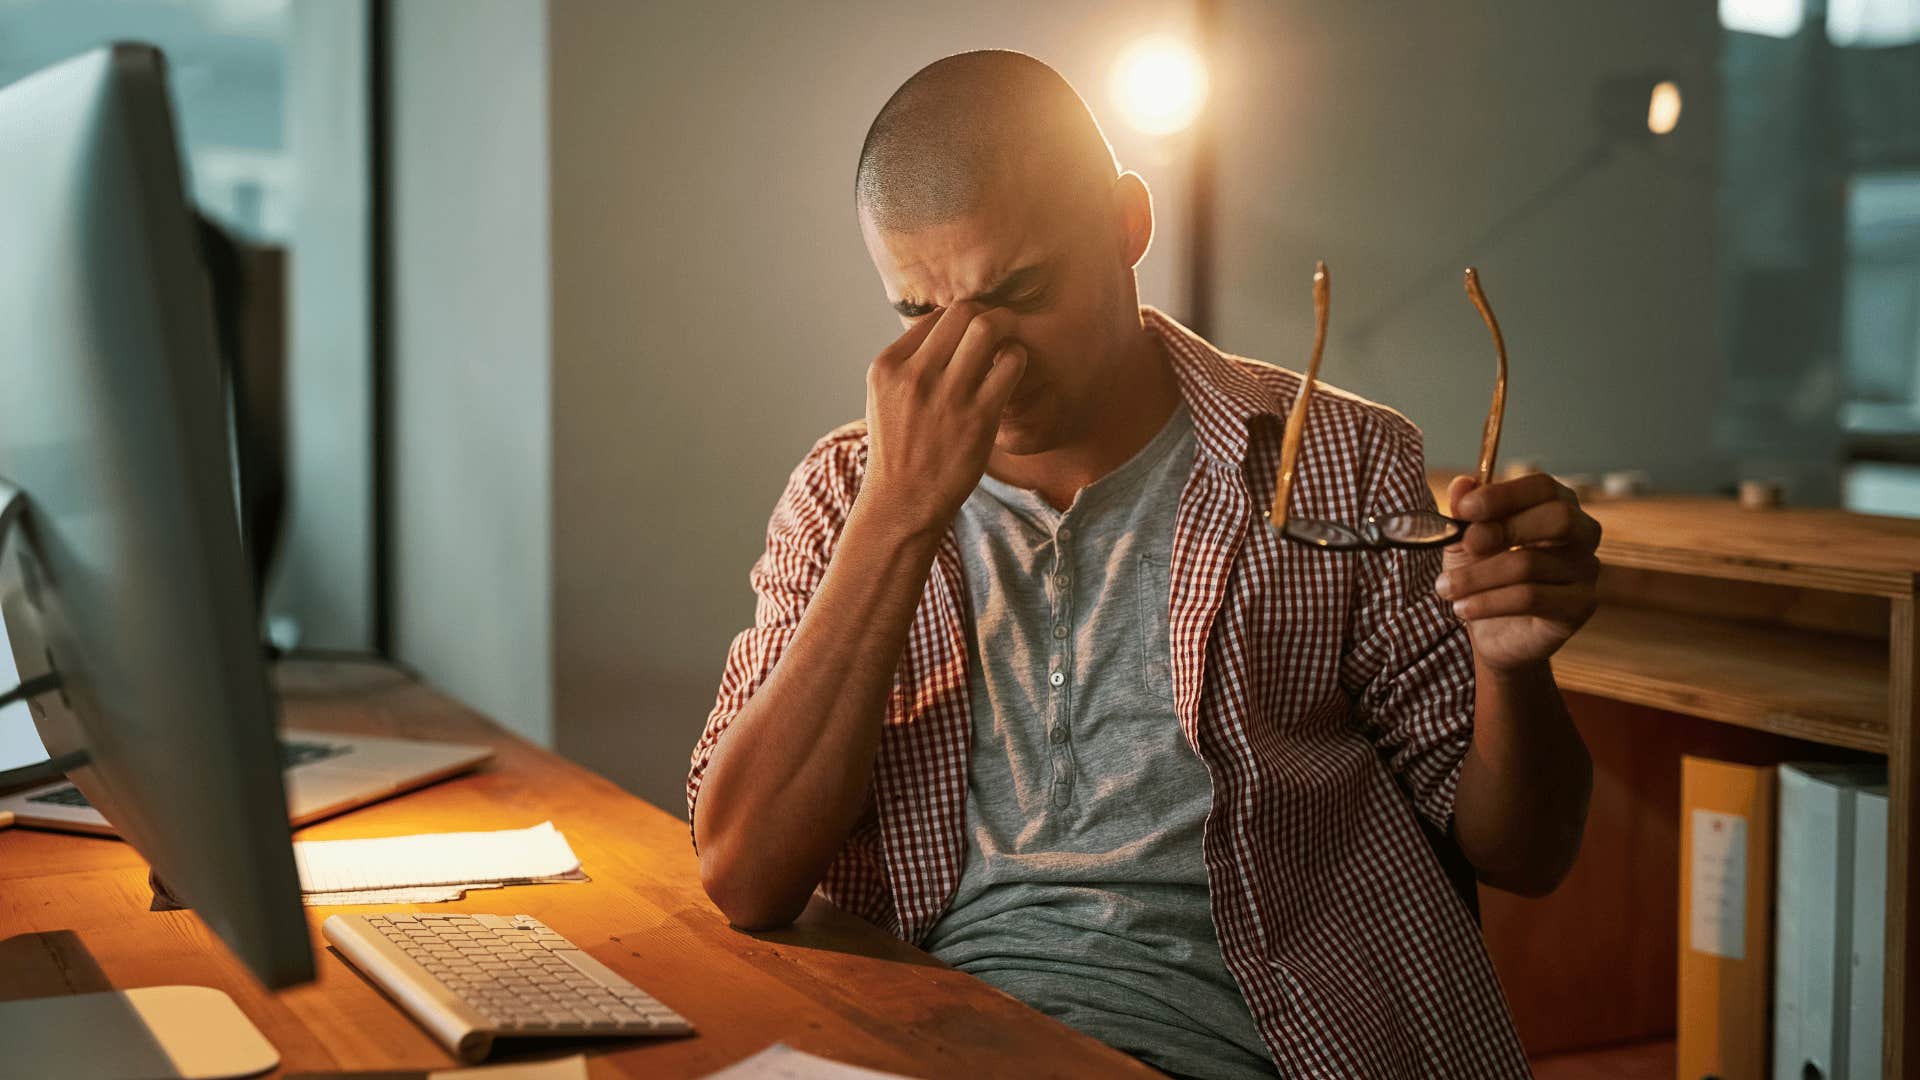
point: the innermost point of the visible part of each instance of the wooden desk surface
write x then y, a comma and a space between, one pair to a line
74, 919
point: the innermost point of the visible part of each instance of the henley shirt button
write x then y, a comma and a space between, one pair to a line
1058, 735
1059, 630
1056, 678
1066, 534
1060, 580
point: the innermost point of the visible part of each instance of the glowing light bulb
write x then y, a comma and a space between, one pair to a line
1160, 85
1663, 109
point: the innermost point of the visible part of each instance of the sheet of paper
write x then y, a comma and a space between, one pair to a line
1719, 917
445, 859
783, 1062
425, 894
567, 1068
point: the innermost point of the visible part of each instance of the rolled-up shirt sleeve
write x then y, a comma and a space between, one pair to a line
805, 525
1409, 662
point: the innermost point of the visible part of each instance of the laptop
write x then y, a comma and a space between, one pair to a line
326, 774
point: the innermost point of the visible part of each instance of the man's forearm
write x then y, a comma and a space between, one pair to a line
1522, 801
787, 781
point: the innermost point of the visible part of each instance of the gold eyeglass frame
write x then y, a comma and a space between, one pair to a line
1377, 531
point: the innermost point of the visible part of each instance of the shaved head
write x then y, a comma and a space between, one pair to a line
985, 183
962, 126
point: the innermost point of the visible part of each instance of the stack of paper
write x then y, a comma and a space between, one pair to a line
430, 867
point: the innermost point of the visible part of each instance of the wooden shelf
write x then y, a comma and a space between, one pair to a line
1794, 623
1824, 549
1822, 687
1838, 550
1637, 1061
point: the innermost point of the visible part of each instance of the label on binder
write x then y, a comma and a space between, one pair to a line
1719, 916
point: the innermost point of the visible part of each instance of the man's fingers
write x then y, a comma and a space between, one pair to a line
1508, 497
1571, 604
1554, 522
1009, 366
973, 357
904, 346
1554, 566
949, 328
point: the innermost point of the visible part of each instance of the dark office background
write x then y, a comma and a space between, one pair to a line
624, 290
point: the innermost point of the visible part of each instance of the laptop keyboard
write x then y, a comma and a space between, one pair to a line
61, 796
306, 753
291, 754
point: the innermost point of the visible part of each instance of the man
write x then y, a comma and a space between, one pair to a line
1033, 684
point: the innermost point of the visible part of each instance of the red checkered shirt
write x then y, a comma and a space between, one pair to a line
1329, 694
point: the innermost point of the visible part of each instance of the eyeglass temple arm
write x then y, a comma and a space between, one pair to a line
1297, 418
1490, 435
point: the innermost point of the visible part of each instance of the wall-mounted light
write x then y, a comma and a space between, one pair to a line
1634, 107
1160, 85
1631, 111
1663, 108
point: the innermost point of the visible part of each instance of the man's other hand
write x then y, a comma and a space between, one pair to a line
1522, 576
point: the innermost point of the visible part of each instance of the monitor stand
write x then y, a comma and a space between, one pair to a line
185, 1032
13, 504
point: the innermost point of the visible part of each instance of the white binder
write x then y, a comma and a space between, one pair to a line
1867, 983
1813, 946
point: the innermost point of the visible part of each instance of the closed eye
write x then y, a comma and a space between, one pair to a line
1033, 301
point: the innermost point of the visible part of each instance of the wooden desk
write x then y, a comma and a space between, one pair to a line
74, 918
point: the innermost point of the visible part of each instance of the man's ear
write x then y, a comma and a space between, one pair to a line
1133, 216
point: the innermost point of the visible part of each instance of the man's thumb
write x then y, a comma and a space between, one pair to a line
1457, 488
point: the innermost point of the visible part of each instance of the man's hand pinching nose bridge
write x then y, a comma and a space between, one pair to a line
934, 401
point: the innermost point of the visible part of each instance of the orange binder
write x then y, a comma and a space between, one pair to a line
1726, 919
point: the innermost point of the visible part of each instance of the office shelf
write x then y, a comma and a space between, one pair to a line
1819, 687
1794, 623
1652, 1060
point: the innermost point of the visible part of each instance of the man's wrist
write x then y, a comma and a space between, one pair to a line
1520, 677
896, 522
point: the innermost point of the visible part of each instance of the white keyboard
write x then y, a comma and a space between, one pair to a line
471, 978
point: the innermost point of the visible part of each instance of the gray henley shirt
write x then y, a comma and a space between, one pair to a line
1084, 892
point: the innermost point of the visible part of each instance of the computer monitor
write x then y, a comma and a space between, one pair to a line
122, 581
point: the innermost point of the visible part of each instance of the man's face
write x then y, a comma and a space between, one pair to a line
1050, 258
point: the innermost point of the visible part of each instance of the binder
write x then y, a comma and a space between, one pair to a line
1866, 1015
1726, 885
1813, 942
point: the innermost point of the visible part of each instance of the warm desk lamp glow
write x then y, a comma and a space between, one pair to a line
1160, 85
1663, 108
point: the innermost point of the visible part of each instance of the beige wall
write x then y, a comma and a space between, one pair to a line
605, 470
714, 312
1385, 137
471, 601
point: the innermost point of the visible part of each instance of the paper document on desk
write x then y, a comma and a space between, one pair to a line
783, 1062
424, 894
431, 866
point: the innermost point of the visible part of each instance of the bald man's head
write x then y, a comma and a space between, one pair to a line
963, 125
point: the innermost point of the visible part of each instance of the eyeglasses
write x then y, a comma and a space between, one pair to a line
1411, 528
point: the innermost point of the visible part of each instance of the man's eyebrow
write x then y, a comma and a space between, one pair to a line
1011, 285
999, 293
